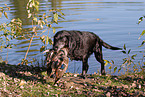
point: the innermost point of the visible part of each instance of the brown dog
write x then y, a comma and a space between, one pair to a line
57, 63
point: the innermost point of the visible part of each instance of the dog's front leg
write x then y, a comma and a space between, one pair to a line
102, 68
49, 70
85, 67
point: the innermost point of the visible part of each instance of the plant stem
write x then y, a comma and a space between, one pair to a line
7, 52
29, 47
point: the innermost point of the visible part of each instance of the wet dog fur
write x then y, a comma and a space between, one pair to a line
81, 45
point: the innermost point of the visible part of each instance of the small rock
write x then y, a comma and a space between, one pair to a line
48, 93
139, 86
48, 85
75, 75
142, 77
77, 88
108, 94
56, 85
85, 84
68, 84
71, 87
133, 85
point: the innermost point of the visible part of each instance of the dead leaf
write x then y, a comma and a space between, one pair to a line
22, 83
125, 86
2, 74
6, 15
133, 85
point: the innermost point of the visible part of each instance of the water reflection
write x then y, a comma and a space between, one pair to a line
19, 10
55, 3
112, 20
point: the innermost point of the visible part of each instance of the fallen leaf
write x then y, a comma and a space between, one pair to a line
125, 86
133, 85
22, 83
48, 85
21, 87
2, 74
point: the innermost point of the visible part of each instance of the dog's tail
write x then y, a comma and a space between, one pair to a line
109, 46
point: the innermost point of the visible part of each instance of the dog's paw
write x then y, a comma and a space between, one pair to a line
83, 76
103, 72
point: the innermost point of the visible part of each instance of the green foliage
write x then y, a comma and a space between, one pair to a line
39, 22
143, 32
32, 5
129, 61
44, 22
112, 66
9, 30
140, 19
142, 44
3, 11
128, 64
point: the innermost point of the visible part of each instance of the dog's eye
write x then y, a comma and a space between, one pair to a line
62, 39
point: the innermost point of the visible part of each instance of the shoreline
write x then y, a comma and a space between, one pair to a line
25, 80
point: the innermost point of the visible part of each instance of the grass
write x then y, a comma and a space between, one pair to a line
22, 80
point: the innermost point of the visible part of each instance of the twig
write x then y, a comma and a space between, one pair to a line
29, 47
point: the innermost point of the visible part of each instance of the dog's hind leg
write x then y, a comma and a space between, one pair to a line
99, 57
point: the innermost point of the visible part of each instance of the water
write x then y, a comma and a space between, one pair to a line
115, 21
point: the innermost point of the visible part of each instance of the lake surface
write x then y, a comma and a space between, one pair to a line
115, 21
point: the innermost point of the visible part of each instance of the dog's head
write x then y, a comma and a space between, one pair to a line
60, 43
63, 39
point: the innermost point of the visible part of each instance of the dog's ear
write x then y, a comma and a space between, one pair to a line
67, 39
